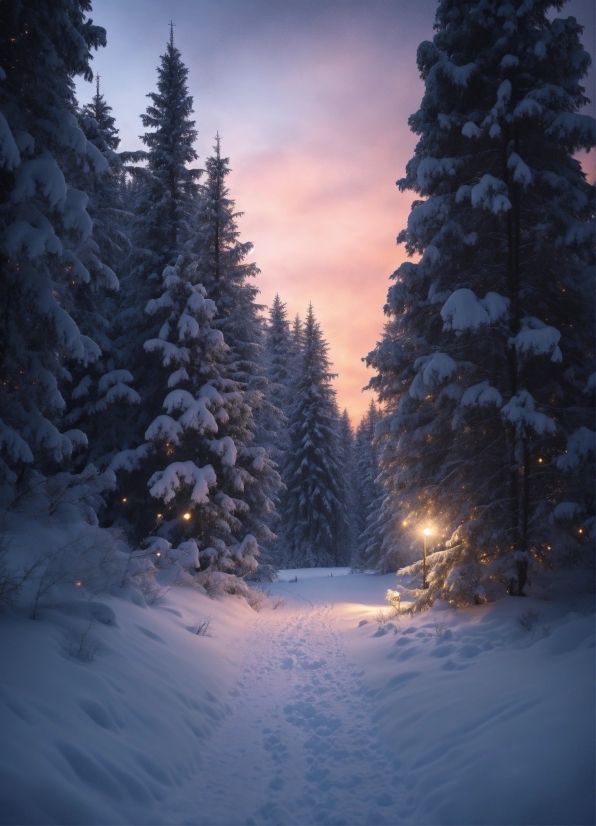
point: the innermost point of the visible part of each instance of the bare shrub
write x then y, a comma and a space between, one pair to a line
386, 615
528, 619
88, 560
278, 602
256, 597
84, 648
203, 629
439, 629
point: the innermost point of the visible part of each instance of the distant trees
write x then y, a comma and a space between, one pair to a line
486, 363
369, 496
314, 510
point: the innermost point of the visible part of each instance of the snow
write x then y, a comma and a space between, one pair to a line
43, 174
481, 395
16, 447
35, 241
440, 367
463, 310
319, 710
165, 483
568, 510
579, 445
521, 411
74, 213
225, 449
521, 171
490, 193
538, 338
470, 130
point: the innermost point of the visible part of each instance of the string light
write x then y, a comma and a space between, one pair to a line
124, 499
186, 516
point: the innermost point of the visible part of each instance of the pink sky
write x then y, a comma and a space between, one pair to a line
312, 99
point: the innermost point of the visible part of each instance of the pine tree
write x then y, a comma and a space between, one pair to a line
169, 187
98, 124
487, 350
165, 194
104, 389
191, 482
44, 231
227, 279
279, 354
227, 276
369, 495
348, 484
313, 512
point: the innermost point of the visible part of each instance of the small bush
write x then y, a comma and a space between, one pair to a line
278, 602
383, 616
256, 597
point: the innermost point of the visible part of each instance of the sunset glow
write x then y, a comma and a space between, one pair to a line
312, 102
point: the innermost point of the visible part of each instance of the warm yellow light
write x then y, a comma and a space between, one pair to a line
79, 584
427, 531
581, 530
158, 553
124, 498
159, 515
186, 516
540, 460
404, 523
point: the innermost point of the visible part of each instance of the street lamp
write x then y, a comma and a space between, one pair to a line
426, 532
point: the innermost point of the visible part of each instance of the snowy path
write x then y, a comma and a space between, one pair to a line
300, 746
117, 712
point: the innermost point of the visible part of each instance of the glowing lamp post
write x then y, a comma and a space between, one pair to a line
426, 532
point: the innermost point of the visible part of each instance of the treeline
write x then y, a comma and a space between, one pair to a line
142, 384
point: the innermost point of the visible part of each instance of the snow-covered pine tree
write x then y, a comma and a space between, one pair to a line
313, 516
104, 389
489, 343
297, 337
227, 276
44, 230
192, 482
369, 494
165, 193
279, 353
169, 187
98, 123
348, 484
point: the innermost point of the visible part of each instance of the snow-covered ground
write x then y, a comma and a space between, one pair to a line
307, 712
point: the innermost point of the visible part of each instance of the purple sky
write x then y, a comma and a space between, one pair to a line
311, 98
